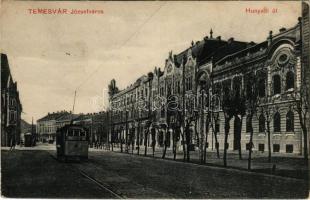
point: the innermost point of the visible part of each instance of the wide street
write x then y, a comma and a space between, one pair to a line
37, 174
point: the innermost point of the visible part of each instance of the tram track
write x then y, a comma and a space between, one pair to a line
96, 182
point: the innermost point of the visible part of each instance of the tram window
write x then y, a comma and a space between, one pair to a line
70, 133
76, 133
82, 134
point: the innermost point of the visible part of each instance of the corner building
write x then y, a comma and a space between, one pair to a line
196, 80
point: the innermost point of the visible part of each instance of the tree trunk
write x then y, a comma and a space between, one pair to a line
196, 134
304, 130
250, 145
239, 140
165, 145
133, 145
227, 126
138, 140
174, 145
302, 120
187, 153
188, 141
165, 150
269, 141
201, 145
121, 144
145, 142
217, 145
206, 142
184, 148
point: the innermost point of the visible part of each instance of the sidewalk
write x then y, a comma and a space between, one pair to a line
283, 165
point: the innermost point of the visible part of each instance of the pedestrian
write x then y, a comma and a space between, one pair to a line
12, 143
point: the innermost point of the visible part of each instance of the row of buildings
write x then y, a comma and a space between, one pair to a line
193, 84
190, 91
11, 107
96, 124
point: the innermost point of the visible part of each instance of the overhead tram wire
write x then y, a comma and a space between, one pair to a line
126, 41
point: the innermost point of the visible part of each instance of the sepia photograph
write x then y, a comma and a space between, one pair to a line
155, 99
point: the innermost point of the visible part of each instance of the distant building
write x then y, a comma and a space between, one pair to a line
11, 106
48, 125
96, 123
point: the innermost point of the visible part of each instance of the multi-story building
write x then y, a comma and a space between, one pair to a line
11, 106
195, 82
48, 125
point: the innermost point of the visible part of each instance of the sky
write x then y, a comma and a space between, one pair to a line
51, 56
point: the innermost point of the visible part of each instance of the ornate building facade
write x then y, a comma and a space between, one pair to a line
191, 88
11, 106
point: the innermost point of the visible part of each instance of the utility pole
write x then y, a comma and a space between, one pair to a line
74, 101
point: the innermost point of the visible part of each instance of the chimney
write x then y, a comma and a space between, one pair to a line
282, 29
206, 38
218, 38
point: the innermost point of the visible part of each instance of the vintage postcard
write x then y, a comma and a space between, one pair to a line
155, 99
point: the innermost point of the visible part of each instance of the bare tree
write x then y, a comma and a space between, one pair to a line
252, 102
301, 106
146, 134
214, 130
268, 110
113, 89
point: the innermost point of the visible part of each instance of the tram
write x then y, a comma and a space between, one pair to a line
72, 143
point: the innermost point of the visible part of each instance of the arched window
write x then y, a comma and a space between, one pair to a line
290, 121
261, 88
289, 80
276, 84
261, 127
277, 122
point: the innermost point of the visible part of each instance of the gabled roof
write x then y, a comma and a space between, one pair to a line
5, 70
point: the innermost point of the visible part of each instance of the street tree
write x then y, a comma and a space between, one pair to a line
268, 110
252, 101
300, 104
228, 110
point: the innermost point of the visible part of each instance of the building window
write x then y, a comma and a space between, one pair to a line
276, 148
289, 148
276, 84
261, 127
290, 121
248, 124
12, 116
261, 147
289, 80
261, 88
277, 122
